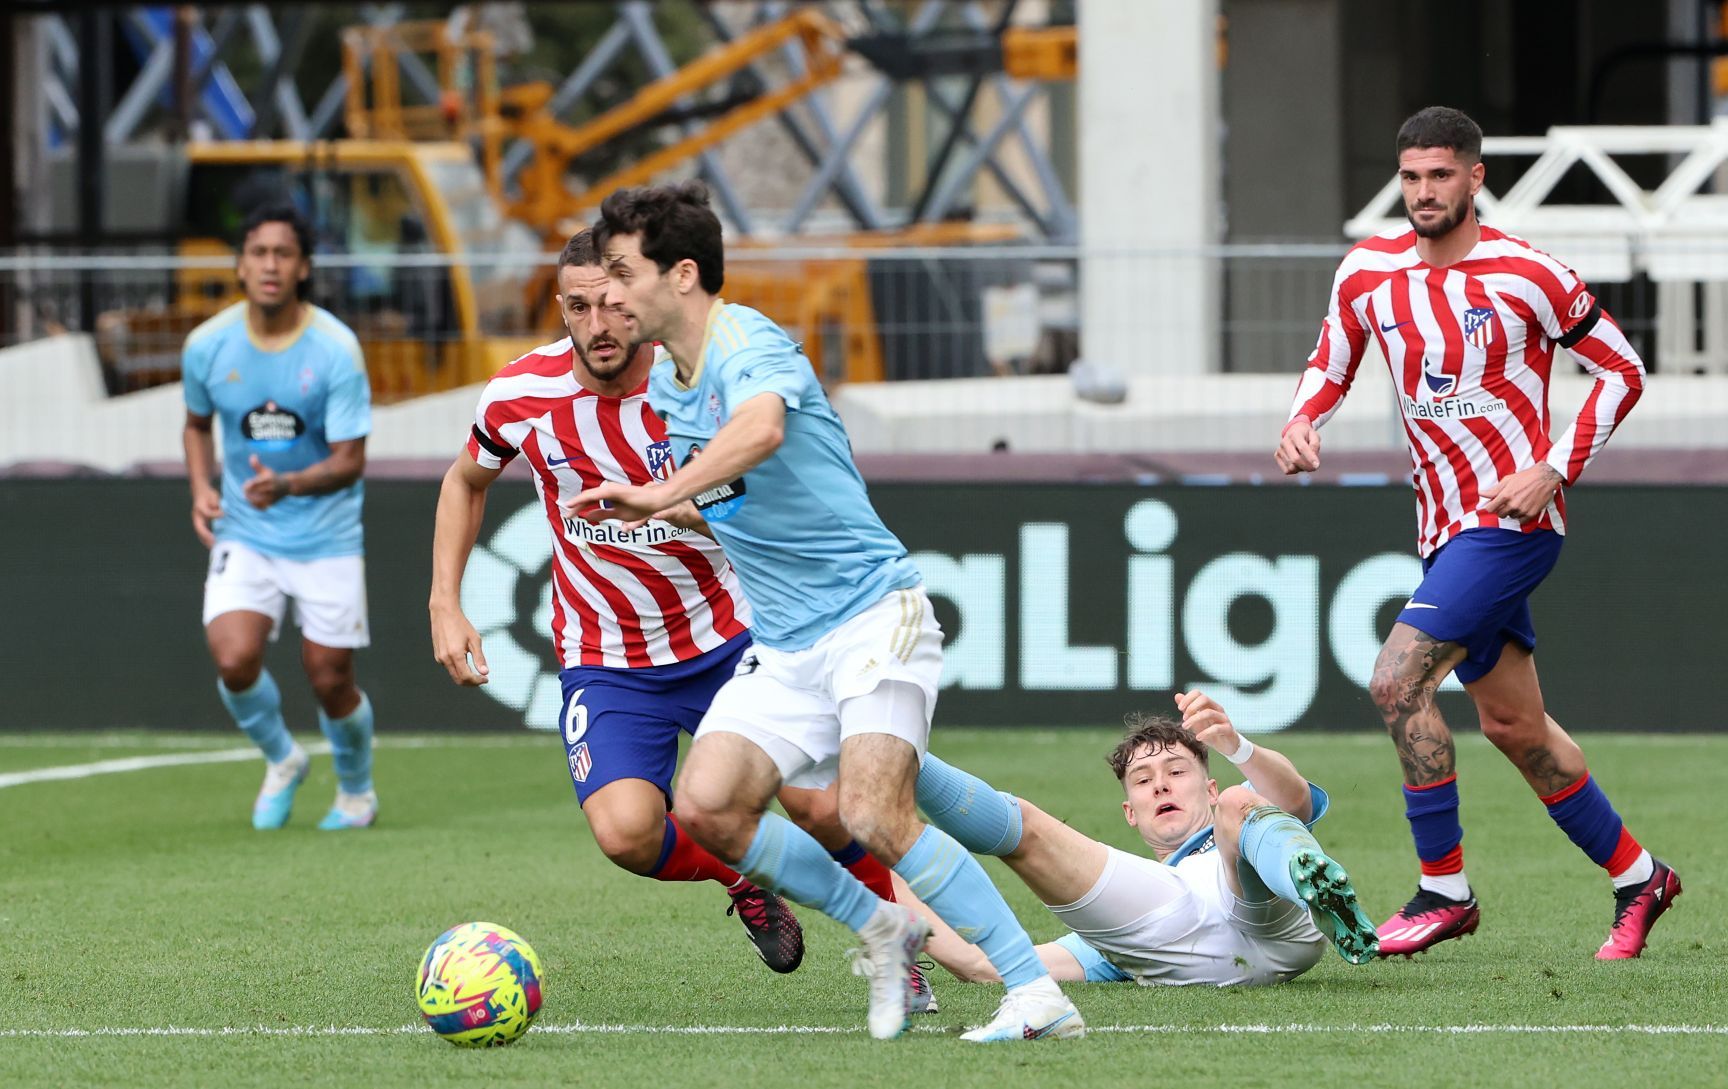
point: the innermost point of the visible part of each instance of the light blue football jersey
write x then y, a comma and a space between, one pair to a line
809, 549
287, 407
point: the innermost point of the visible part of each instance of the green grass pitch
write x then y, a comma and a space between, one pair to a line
144, 901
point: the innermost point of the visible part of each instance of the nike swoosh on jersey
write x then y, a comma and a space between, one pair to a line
555, 462
1384, 328
1418, 605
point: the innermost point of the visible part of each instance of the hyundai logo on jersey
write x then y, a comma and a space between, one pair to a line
272, 427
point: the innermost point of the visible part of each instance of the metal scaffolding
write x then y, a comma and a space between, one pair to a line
187, 58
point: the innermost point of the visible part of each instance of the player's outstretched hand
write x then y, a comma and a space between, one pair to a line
1523, 495
265, 487
206, 508
1202, 717
453, 640
630, 504
1298, 448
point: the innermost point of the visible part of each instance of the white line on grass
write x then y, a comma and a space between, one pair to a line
227, 756
580, 1028
130, 763
514, 739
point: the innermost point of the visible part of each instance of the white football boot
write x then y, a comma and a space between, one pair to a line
1036, 1011
351, 811
893, 938
276, 797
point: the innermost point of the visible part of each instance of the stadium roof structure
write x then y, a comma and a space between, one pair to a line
1674, 233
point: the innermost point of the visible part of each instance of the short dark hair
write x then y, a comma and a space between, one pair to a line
281, 211
1157, 733
1441, 126
675, 223
580, 250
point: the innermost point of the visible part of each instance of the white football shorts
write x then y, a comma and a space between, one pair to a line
788, 702
329, 594
1183, 924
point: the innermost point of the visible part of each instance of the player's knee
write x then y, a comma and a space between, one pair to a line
331, 679
1234, 805
1508, 726
881, 830
712, 822
633, 845
1394, 691
1235, 802
238, 667
820, 816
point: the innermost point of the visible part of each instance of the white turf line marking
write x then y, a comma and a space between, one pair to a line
227, 756
581, 1028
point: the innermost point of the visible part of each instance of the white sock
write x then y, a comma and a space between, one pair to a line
1453, 886
1637, 873
355, 805
1043, 987
884, 918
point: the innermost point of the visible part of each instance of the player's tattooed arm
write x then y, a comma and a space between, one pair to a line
343, 467
1525, 494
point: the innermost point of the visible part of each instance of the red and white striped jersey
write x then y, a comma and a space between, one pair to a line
1471, 347
621, 598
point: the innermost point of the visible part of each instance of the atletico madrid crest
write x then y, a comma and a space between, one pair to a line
1479, 326
660, 459
581, 763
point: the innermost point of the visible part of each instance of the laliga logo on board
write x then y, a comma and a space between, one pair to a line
1274, 678
522, 678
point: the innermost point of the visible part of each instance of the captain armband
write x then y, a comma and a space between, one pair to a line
1585, 324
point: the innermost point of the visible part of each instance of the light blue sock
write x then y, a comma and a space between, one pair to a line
351, 746
785, 858
982, 819
1270, 837
258, 713
944, 876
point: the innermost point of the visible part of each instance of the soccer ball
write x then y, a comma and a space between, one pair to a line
479, 985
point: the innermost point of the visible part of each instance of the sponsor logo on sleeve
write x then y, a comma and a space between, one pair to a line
720, 502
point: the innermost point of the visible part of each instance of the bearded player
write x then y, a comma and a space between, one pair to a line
648, 622
1469, 319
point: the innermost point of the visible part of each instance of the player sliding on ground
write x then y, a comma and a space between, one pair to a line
1240, 891
648, 623
848, 657
1469, 318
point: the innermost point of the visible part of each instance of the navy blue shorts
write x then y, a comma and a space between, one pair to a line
1476, 592
624, 723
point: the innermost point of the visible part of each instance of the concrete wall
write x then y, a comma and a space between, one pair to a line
55, 410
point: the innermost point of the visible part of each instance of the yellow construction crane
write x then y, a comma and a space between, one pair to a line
429, 178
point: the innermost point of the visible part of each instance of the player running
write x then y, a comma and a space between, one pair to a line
1240, 891
289, 383
1468, 318
848, 656
648, 622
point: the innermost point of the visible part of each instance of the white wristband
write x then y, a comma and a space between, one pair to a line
1241, 755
